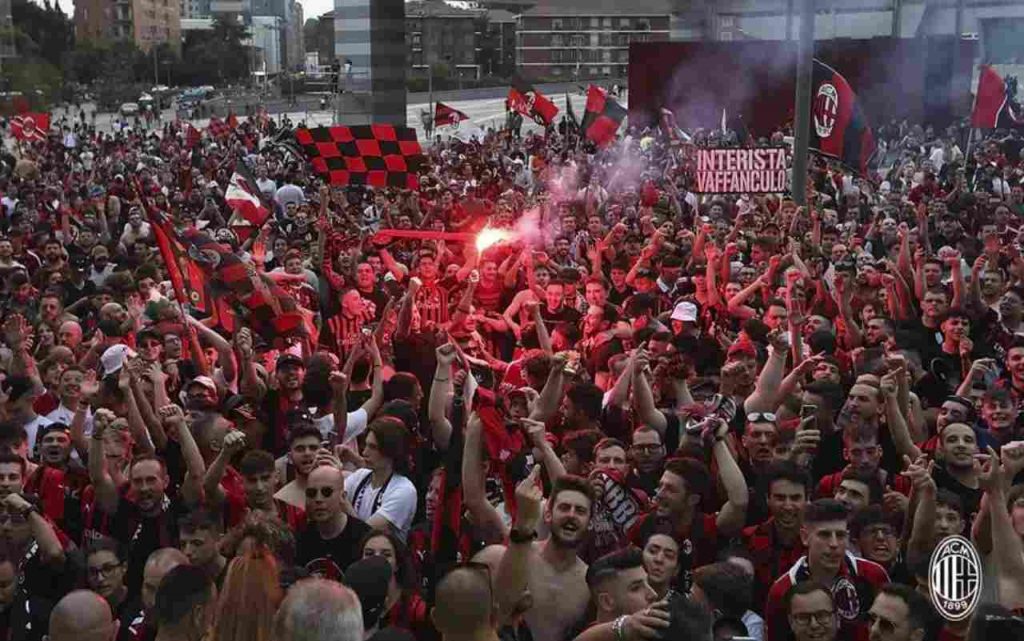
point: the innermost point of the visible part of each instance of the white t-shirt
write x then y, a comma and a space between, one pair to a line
355, 425
397, 505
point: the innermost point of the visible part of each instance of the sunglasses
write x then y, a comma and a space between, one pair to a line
325, 492
756, 417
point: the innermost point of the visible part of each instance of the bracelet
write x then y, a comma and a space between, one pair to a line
618, 628
441, 380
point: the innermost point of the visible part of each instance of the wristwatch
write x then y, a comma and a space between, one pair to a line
519, 536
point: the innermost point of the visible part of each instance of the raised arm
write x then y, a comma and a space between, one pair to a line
173, 418
250, 385
483, 514
225, 355
440, 390
1007, 548
905, 445
765, 395
513, 575
548, 457
732, 516
51, 552
213, 493
107, 497
551, 396
922, 524
643, 398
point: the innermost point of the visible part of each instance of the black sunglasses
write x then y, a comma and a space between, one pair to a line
325, 492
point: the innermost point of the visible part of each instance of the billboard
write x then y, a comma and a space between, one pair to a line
732, 170
756, 80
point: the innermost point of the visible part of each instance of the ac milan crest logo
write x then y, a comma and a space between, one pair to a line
826, 109
955, 578
29, 129
844, 594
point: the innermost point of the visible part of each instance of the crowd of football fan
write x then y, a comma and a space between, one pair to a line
645, 414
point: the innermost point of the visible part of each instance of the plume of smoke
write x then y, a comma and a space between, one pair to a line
627, 167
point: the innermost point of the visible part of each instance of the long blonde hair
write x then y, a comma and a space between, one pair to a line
252, 592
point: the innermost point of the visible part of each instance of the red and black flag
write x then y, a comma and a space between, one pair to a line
187, 279
30, 126
838, 126
192, 135
243, 196
217, 282
570, 112
995, 105
218, 128
445, 115
376, 155
602, 117
524, 98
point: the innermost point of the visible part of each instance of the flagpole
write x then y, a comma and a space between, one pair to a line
804, 73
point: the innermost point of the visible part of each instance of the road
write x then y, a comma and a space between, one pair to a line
482, 112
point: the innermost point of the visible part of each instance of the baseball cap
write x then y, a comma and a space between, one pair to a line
52, 427
369, 578
285, 360
685, 311
205, 381
114, 357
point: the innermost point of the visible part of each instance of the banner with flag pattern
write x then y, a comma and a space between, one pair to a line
375, 155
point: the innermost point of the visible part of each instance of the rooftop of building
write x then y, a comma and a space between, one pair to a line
439, 9
600, 8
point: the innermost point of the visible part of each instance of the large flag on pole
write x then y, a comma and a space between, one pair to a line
30, 126
995, 104
838, 126
445, 116
243, 196
527, 100
602, 117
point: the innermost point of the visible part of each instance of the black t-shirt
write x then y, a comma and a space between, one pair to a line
129, 612
971, 497
378, 298
144, 535
704, 353
330, 558
564, 314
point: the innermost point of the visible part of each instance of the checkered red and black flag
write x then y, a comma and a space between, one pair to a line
376, 155
602, 117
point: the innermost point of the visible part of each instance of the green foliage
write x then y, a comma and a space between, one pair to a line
42, 32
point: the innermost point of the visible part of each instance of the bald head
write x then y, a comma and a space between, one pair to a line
463, 602
158, 565
82, 616
319, 610
327, 475
491, 557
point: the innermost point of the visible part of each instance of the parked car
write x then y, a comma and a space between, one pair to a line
129, 108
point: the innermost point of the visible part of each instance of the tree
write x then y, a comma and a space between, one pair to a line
217, 55
42, 31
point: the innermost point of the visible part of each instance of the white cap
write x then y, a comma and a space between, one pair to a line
114, 357
685, 311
